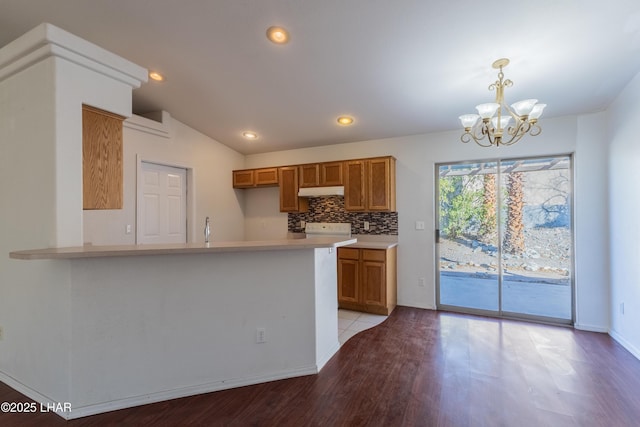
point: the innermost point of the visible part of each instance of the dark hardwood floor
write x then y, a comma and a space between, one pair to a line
420, 368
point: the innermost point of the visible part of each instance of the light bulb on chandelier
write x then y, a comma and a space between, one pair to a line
488, 128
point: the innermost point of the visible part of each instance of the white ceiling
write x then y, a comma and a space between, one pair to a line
399, 67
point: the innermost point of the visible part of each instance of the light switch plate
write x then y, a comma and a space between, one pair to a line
419, 225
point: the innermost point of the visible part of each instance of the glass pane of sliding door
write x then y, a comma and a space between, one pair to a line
505, 238
468, 237
537, 237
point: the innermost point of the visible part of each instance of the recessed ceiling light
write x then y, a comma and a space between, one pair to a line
345, 120
154, 75
278, 35
250, 135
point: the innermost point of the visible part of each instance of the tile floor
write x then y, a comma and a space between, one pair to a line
352, 322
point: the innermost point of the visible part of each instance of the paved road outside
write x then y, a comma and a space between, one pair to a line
520, 294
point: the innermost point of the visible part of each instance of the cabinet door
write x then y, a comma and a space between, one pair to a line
354, 185
289, 200
374, 285
310, 175
102, 171
243, 178
331, 174
266, 176
348, 281
381, 184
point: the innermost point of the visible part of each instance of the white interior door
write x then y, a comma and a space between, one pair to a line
162, 204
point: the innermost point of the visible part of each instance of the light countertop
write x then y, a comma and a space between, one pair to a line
365, 241
373, 245
90, 251
372, 241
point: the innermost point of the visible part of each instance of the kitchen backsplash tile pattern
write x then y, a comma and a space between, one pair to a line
331, 209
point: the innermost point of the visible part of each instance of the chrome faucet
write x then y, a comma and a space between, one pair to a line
207, 230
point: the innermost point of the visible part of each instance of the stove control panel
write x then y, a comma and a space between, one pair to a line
328, 228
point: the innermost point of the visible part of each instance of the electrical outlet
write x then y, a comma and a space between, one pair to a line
1, 333
366, 225
422, 282
127, 229
303, 224
261, 335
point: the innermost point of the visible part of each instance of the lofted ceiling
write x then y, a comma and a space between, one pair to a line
399, 67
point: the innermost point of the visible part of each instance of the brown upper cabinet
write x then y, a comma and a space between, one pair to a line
266, 176
331, 174
249, 178
381, 184
102, 170
310, 175
321, 174
355, 185
289, 200
243, 178
370, 184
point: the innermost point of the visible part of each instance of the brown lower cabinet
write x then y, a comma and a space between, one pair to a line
367, 279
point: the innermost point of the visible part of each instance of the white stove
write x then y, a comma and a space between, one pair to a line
328, 229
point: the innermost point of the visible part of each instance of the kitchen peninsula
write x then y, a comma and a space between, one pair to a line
107, 327
150, 323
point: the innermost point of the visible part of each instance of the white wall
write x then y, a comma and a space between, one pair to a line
41, 194
263, 219
33, 298
416, 158
591, 237
624, 211
211, 164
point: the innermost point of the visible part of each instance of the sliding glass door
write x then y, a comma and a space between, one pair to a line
505, 238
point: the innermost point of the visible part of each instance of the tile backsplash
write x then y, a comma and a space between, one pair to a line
331, 209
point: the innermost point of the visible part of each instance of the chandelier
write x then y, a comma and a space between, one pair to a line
492, 125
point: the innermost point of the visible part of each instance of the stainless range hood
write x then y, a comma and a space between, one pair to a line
321, 191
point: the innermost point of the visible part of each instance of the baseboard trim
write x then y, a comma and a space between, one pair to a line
626, 344
39, 398
590, 328
327, 356
114, 405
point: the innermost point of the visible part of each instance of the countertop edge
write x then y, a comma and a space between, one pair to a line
80, 252
373, 245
